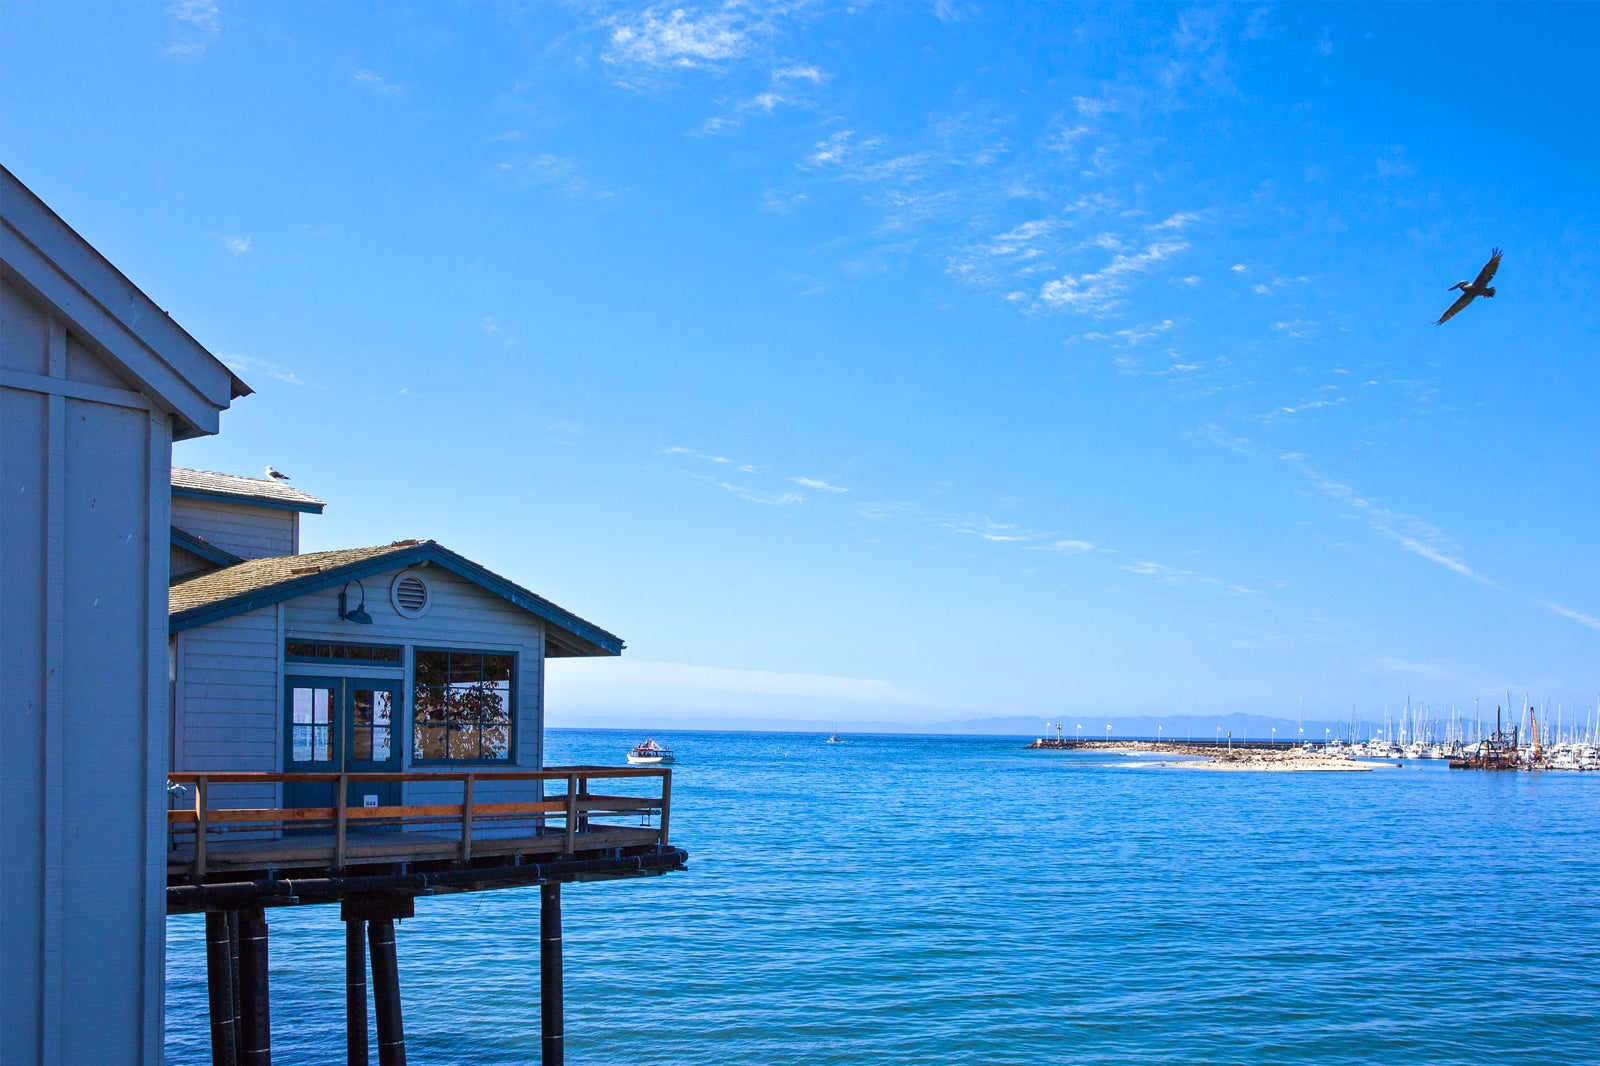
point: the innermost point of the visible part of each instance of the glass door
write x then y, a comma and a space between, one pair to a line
311, 737
340, 724
370, 736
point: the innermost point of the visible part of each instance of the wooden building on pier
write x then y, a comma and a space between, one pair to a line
201, 718
363, 726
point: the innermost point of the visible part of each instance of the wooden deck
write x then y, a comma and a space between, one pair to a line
209, 845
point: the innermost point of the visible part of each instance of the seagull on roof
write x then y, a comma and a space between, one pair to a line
277, 475
1470, 290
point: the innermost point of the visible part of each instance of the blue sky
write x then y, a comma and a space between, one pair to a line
896, 361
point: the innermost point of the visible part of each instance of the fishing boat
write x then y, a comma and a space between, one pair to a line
650, 754
834, 738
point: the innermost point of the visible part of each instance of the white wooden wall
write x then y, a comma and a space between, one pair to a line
84, 513
246, 531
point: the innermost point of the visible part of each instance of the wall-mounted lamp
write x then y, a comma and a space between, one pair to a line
359, 616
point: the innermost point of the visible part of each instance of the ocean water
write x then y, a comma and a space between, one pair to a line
899, 899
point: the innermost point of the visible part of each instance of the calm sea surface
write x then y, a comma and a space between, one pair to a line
951, 900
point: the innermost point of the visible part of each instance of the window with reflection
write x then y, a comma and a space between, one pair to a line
312, 739
371, 725
462, 706
314, 651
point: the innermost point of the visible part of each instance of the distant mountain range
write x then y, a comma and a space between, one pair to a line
1176, 727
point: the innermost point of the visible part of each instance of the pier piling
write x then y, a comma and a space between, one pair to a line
220, 945
255, 1015
553, 1044
355, 990
386, 993
233, 978
377, 911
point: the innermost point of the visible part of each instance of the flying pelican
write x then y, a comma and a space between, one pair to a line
277, 475
1473, 289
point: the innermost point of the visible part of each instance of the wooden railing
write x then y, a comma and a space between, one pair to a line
564, 823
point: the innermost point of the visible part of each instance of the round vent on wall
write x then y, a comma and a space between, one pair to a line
410, 594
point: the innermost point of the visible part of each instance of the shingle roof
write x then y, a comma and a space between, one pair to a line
259, 575
205, 483
258, 583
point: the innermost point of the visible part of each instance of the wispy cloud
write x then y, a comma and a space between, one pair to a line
1171, 574
1063, 138
1308, 404
927, 188
1393, 165
1176, 576
679, 38
1410, 532
984, 529
376, 83
720, 460
1311, 405
839, 149
1567, 612
196, 27
791, 86
1440, 671
750, 495
767, 102
233, 243
800, 72
819, 485
1100, 291
247, 366
882, 511
1029, 248
1131, 336
1295, 328
1063, 546
550, 171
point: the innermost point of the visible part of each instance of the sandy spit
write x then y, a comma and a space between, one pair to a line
1305, 765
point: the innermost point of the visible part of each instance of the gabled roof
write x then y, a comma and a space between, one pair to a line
258, 583
182, 538
110, 315
206, 485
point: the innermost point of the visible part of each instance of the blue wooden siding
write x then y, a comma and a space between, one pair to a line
229, 704
82, 698
245, 530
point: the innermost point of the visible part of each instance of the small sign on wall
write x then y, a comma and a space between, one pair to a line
369, 800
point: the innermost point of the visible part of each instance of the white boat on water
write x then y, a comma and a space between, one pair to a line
650, 754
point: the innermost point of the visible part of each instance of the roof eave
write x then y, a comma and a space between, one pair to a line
273, 503
112, 315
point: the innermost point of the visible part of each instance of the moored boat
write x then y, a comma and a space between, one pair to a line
650, 754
